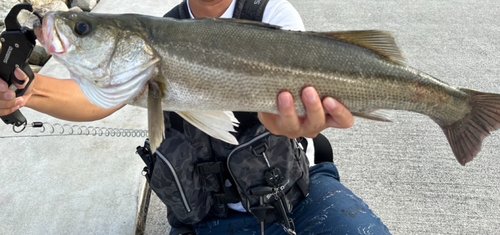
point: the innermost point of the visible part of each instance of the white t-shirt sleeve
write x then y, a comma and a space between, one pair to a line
282, 13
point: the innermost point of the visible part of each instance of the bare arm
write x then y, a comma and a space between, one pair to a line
58, 98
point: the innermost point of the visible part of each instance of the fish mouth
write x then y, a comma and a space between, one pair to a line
49, 36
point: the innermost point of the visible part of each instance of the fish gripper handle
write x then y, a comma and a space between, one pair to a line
17, 44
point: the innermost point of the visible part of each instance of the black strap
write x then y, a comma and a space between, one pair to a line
148, 158
250, 9
244, 9
207, 168
247, 10
180, 11
176, 121
322, 149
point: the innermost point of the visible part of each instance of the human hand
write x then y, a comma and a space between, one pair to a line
9, 103
287, 123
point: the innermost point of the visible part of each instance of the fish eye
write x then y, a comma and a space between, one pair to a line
82, 28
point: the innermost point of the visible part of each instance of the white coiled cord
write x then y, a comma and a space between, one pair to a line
57, 129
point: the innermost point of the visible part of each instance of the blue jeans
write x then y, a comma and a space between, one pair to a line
330, 208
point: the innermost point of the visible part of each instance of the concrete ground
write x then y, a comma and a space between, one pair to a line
404, 170
75, 184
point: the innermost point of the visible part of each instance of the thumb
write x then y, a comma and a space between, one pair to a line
3, 86
21, 76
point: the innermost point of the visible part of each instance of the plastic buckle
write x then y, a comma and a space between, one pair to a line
259, 149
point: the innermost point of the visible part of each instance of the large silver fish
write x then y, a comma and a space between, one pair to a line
203, 69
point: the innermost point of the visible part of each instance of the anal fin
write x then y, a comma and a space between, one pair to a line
381, 115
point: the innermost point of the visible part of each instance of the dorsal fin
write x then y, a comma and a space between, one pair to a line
380, 42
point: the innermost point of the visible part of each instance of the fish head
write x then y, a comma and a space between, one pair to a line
106, 55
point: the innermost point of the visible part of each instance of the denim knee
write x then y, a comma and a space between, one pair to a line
325, 169
331, 208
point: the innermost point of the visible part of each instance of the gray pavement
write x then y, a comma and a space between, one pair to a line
404, 170
75, 184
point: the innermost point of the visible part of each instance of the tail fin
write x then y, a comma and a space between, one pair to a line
466, 136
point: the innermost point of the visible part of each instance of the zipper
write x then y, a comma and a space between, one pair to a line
240, 147
177, 182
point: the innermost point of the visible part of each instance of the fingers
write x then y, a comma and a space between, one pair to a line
8, 101
315, 119
287, 123
3, 86
5, 93
339, 115
20, 75
8, 106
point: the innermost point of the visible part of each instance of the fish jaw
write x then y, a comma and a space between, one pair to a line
54, 41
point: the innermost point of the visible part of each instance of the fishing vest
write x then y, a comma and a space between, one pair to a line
246, 10
194, 174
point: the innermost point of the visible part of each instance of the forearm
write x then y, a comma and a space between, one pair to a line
63, 99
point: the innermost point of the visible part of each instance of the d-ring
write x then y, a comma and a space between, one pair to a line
22, 129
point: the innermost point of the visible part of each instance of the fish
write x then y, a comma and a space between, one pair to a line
206, 69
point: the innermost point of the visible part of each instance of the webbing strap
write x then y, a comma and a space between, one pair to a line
180, 11
250, 10
247, 10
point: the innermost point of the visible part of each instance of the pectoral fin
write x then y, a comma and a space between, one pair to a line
217, 124
156, 123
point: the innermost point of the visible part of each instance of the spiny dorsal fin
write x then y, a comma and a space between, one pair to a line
380, 42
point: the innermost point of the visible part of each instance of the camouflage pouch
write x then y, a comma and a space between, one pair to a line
175, 178
271, 173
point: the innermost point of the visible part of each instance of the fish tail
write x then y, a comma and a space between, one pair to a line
466, 135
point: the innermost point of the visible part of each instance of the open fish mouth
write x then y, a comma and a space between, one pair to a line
51, 39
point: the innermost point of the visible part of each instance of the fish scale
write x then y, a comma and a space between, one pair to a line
355, 101
203, 69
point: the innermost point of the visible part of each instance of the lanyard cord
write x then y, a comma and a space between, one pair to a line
47, 129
